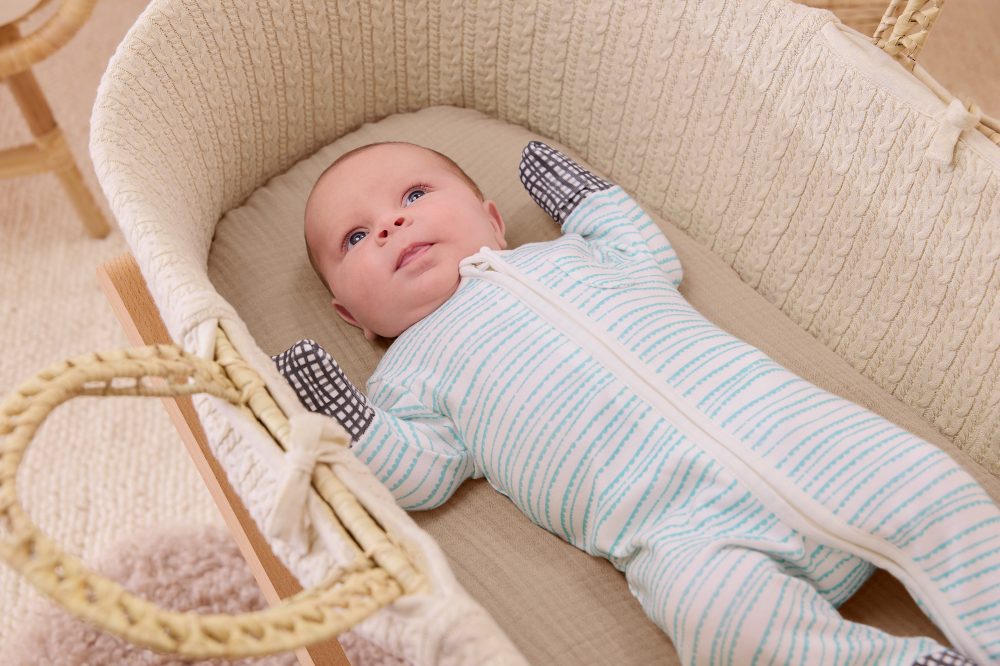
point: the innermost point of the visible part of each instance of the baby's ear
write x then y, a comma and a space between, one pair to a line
346, 315
496, 219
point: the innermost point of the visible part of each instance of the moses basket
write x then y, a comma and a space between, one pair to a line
827, 172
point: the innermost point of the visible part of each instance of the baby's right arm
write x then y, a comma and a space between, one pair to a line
413, 451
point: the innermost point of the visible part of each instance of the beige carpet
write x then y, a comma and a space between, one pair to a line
102, 470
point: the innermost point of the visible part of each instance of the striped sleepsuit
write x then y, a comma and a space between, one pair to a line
742, 503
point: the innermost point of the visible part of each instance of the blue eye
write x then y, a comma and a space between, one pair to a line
413, 195
354, 238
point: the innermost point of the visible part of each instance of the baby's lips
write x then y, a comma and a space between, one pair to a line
410, 252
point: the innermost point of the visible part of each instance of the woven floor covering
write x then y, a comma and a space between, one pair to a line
99, 469
102, 470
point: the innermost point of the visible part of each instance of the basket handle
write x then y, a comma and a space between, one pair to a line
909, 29
313, 615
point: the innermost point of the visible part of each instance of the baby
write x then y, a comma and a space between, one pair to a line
742, 503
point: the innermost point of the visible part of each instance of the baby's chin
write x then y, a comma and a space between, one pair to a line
397, 326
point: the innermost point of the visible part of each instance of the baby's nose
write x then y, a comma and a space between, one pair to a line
398, 222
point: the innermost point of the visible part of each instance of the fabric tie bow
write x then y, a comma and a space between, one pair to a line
314, 438
954, 120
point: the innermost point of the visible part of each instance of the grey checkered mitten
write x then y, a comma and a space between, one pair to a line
554, 181
944, 658
323, 387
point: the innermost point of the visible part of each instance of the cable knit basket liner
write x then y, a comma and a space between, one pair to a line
833, 182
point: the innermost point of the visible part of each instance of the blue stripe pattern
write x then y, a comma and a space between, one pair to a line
486, 387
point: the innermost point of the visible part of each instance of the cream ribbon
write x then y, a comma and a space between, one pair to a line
314, 438
954, 120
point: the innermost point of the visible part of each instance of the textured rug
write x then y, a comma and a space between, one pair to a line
99, 469
181, 569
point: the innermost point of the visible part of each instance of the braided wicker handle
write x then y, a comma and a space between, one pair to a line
162, 370
908, 31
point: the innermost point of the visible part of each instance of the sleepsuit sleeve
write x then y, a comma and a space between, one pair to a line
415, 452
596, 209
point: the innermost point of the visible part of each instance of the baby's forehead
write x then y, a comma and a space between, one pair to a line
390, 157
363, 172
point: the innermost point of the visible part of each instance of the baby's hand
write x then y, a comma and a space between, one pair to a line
554, 181
323, 387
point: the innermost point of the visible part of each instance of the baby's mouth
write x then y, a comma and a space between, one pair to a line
411, 253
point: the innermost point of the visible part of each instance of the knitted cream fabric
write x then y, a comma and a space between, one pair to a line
745, 123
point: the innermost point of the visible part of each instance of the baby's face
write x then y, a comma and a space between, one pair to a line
388, 227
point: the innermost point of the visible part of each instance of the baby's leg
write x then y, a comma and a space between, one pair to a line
728, 601
863, 485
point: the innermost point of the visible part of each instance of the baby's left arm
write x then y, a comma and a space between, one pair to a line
601, 212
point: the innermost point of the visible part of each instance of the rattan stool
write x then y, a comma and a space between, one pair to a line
49, 152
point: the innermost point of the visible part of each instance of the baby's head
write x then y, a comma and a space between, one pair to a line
386, 226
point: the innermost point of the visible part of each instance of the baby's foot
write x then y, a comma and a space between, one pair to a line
554, 181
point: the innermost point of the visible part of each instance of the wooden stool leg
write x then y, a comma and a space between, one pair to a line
49, 138
81, 198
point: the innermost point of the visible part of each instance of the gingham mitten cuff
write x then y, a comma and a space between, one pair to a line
554, 181
323, 387
944, 658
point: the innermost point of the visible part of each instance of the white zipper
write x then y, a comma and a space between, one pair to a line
794, 507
